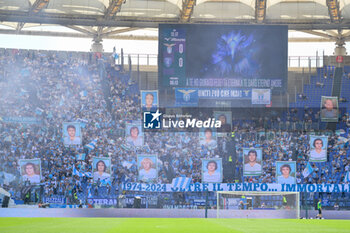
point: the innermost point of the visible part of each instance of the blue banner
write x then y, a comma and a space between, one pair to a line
224, 93
186, 97
22, 120
248, 187
54, 200
103, 201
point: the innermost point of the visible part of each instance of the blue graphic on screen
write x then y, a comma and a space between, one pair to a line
235, 54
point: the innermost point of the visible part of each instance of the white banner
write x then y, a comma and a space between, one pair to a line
249, 187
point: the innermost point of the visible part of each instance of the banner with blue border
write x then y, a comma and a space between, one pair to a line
249, 187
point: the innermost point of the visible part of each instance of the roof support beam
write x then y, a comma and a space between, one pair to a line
39, 5
82, 30
149, 22
113, 32
334, 10
35, 8
321, 34
76, 35
187, 10
133, 37
19, 26
113, 8
260, 10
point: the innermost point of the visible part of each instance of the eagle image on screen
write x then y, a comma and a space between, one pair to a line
235, 54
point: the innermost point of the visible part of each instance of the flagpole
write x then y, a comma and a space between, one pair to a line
206, 203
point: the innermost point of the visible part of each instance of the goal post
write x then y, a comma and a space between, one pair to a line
244, 204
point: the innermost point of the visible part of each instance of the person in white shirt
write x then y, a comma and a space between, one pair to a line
208, 140
134, 138
252, 166
318, 154
71, 139
285, 178
329, 110
147, 173
149, 106
212, 175
101, 172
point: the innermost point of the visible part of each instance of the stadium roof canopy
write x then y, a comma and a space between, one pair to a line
328, 19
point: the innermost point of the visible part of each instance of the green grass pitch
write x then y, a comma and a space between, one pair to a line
169, 225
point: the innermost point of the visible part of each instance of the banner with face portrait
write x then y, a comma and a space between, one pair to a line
329, 109
30, 170
101, 168
285, 172
147, 167
252, 161
318, 148
212, 170
226, 122
71, 133
207, 137
149, 100
134, 134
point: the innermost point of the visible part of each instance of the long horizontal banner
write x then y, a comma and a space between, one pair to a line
248, 187
22, 120
103, 201
224, 93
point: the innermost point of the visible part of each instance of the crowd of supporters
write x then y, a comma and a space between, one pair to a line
57, 87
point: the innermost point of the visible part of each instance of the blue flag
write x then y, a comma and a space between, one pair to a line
181, 183
308, 170
80, 156
91, 145
347, 177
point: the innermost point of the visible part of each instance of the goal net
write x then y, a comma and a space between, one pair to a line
258, 204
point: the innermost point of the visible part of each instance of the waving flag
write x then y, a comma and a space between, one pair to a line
89, 192
91, 145
83, 94
76, 172
347, 177
181, 183
308, 170
88, 174
81, 174
80, 156
39, 111
106, 181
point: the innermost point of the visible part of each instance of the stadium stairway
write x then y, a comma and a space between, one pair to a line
336, 90
313, 92
345, 88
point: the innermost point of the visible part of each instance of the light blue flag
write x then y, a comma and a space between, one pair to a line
39, 111
347, 177
81, 174
76, 172
80, 156
308, 170
83, 93
91, 145
181, 183
89, 193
